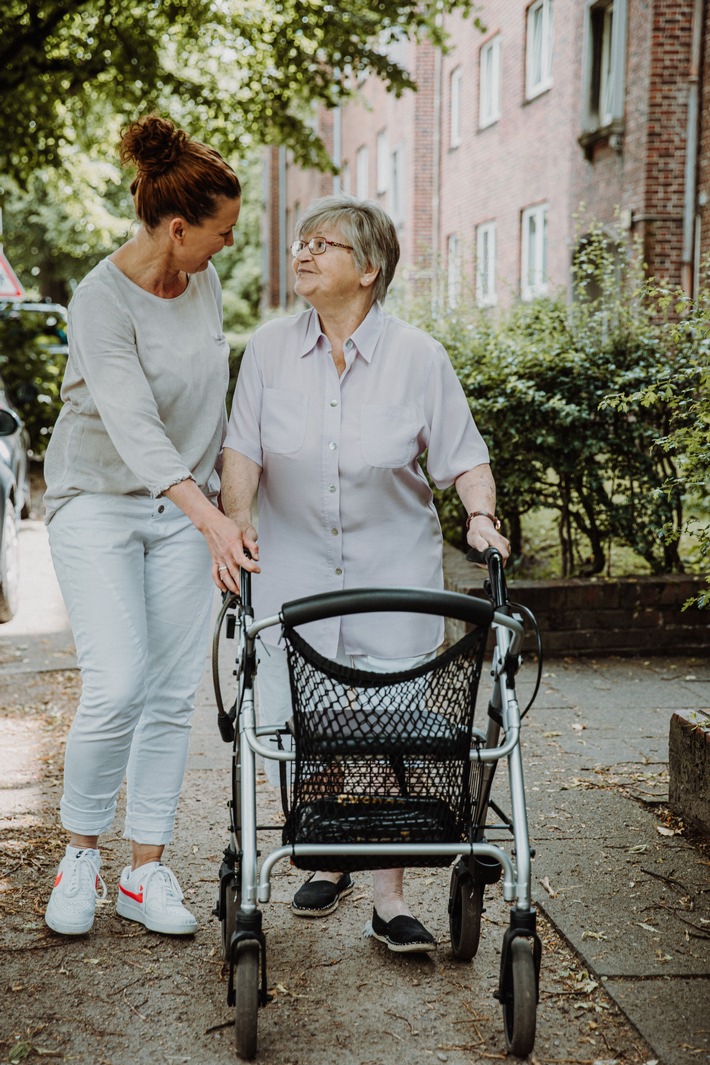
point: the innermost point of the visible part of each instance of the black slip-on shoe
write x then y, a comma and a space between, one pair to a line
403, 935
318, 898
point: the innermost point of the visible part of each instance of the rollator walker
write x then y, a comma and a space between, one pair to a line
382, 770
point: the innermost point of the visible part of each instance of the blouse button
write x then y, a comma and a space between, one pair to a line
332, 445
332, 488
334, 403
161, 508
338, 572
334, 532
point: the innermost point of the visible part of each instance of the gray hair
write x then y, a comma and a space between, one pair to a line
362, 224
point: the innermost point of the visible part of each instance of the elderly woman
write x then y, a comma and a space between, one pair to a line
333, 409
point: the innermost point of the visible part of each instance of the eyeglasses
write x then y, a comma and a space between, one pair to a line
316, 246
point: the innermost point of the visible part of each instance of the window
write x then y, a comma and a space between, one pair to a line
489, 95
383, 161
604, 72
486, 264
455, 108
362, 173
397, 185
345, 179
453, 271
538, 66
533, 272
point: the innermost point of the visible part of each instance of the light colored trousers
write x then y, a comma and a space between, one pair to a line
274, 689
135, 577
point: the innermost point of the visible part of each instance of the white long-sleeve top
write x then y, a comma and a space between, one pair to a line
343, 500
144, 389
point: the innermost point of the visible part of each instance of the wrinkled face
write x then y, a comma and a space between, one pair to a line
327, 278
201, 242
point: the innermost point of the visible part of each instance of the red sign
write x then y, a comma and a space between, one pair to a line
10, 287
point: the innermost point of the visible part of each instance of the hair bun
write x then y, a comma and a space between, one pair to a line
153, 144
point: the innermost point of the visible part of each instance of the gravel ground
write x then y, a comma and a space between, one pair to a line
124, 995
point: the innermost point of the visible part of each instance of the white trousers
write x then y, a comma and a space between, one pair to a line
274, 689
135, 576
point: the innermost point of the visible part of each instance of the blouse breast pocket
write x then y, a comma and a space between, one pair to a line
389, 435
283, 421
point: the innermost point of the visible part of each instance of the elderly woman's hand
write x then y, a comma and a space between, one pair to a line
482, 533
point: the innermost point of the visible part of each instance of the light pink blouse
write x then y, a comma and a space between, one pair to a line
343, 501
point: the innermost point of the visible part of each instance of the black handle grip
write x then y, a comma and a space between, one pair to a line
493, 559
368, 600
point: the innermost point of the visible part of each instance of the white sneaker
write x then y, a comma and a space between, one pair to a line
72, 903
151, 895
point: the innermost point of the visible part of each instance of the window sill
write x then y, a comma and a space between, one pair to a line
611, 135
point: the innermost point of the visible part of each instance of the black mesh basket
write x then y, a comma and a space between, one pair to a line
381, 757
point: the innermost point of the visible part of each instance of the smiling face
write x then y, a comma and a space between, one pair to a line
198, 243
330, 279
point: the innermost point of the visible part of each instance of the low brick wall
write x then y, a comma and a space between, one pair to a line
626, 616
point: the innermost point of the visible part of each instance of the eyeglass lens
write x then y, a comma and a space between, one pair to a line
316, 246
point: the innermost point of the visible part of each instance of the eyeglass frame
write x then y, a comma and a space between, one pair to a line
307, 244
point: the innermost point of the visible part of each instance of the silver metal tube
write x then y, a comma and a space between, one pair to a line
315, 850
247, 810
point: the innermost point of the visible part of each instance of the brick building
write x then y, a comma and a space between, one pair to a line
558, 104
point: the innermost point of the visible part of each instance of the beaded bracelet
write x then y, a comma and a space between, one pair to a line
483, 514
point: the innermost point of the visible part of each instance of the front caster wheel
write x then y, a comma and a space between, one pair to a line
520, 1006
465, 909
246, 994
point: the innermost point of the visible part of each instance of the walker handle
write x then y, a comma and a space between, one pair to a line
367, 600
493, 559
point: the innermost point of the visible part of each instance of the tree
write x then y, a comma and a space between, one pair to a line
244, 69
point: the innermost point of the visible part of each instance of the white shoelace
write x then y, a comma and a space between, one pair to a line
82, 866
171, 890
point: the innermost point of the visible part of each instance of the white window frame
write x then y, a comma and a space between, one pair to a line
604, 64
362, 172
397, 184
538, 53
606, 72
453, 271
489, 83
455, 80
533, 252
345, 179
383, 162
486, 295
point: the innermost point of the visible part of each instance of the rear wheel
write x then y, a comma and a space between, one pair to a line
246, 993
520, 1007
232, 902
465, 909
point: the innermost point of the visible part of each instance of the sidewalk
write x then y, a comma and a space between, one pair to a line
627, 893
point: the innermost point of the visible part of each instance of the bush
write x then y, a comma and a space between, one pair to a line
536, 377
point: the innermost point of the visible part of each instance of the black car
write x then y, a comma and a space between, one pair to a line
14, 500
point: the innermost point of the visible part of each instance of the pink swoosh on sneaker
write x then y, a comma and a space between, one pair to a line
131, 894
57, 879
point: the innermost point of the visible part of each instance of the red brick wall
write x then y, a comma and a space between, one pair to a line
523, 159
531, 154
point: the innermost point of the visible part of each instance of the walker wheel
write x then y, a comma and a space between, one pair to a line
232, 902
246, 994
465, 909
520, 1005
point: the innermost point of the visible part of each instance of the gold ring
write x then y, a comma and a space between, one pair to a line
221, 568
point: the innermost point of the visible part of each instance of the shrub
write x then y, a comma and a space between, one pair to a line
536, 377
